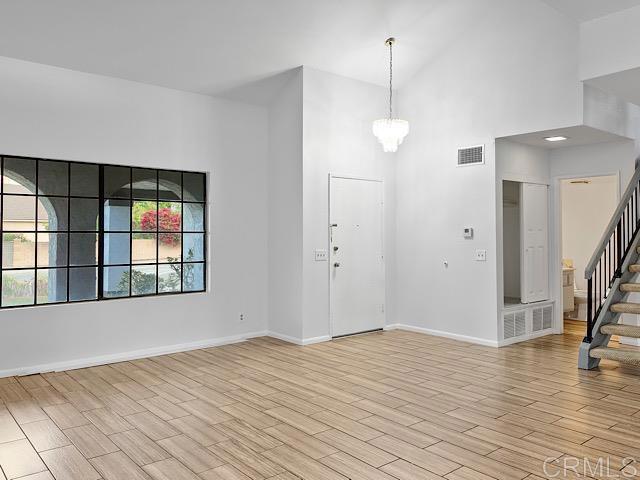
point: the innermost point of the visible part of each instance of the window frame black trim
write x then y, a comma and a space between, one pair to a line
101, 232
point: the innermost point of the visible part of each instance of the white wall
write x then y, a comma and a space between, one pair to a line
285, 210
338, 113
605, 111
56, 113
522, 163
515, 72
586, 212
602, 158
610, 44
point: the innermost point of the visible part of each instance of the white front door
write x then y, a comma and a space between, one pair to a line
534, 234
356, 256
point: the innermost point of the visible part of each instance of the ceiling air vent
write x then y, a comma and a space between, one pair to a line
471, 156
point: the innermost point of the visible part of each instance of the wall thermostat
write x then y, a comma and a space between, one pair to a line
468, 232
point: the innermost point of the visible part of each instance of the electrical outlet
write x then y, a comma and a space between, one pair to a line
481, 255
321, 255
242, 317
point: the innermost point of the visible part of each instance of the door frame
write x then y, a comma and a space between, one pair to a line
328, 243
516, 178
556, 237
523, 277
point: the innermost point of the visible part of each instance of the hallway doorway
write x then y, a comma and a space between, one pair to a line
587, 204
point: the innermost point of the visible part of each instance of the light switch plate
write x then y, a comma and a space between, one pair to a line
481, 255
321, 255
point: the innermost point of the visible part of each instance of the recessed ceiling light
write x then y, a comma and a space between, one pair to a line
558, 138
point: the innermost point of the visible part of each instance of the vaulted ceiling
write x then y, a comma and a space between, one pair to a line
584, 10
213, 46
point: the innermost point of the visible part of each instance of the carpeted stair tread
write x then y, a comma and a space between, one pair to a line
621, 330
630, 287
634, 268
630, 357
625, 308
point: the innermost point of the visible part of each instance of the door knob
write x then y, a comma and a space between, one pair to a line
337, 264
335, 249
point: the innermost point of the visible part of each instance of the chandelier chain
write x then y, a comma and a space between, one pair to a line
390, 80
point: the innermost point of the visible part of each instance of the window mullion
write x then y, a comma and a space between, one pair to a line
100, 232
157, 233
130, 231
68, 265
181, 231
35, 239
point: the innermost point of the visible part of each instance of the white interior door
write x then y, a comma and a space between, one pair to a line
356, 256
534, 234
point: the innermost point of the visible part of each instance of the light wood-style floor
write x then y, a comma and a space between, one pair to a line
393, 405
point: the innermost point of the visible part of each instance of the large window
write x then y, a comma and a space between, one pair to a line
79, 231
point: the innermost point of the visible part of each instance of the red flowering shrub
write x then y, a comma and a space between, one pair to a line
169, 222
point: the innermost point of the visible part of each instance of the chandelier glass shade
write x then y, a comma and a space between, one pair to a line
390, 132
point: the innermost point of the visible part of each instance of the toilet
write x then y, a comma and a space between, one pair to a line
580, 302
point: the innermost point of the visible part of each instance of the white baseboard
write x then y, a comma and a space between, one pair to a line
285, 338
214, 342
475, 340
299, 341
440, 333
312, 340
126, 356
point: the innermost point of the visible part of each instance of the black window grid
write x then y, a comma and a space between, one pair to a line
100, 232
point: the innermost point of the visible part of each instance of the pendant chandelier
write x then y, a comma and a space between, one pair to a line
390, 131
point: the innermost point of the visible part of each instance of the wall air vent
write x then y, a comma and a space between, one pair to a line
514, 324
542, 318
547, 317
521, 324
509, 326
471, 156
537, 320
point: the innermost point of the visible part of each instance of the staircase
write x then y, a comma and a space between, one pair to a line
613, 275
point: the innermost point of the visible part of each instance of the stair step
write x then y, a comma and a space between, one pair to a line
630, 287
631, 357
634, 268
621, 330
625, 308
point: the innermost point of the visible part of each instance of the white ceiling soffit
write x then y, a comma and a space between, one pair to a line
214, 46
624, 85
584, 10
579, 135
